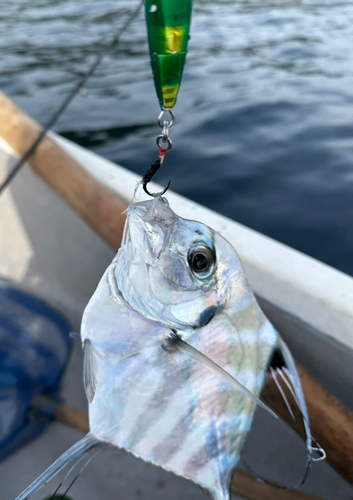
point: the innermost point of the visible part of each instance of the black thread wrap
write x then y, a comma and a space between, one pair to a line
155, 166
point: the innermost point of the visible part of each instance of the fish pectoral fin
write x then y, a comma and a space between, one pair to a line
178, 343
90, 357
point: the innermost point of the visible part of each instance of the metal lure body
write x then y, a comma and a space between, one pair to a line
168, 26
156, 401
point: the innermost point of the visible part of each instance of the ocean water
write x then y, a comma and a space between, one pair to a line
264, 130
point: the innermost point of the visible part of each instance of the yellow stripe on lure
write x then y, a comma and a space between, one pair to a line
168, 26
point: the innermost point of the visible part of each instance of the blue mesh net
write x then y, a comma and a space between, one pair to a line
35, 344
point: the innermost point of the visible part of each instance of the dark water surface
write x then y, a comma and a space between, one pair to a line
265, 112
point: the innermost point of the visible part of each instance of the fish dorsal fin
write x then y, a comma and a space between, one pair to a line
289, 374
285, 375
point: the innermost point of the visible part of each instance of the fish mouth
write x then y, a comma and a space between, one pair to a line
148, 228
151, 222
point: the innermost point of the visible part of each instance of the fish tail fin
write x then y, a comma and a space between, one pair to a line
78, 449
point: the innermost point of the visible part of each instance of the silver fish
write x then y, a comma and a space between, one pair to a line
176, 349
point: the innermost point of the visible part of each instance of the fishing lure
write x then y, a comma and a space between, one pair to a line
168, 26
176, 349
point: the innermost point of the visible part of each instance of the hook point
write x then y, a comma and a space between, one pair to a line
161, 193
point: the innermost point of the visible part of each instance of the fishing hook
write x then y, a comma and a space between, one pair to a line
163, 138
151, 172
160, 193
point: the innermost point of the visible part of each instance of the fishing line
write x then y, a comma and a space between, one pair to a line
273, 483
110, 46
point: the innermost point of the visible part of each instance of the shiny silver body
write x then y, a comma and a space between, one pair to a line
157, 402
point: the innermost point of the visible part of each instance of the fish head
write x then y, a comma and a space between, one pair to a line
172, 270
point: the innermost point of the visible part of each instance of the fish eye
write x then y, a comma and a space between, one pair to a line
201, 260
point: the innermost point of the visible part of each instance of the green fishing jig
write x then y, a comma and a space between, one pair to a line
168, 26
